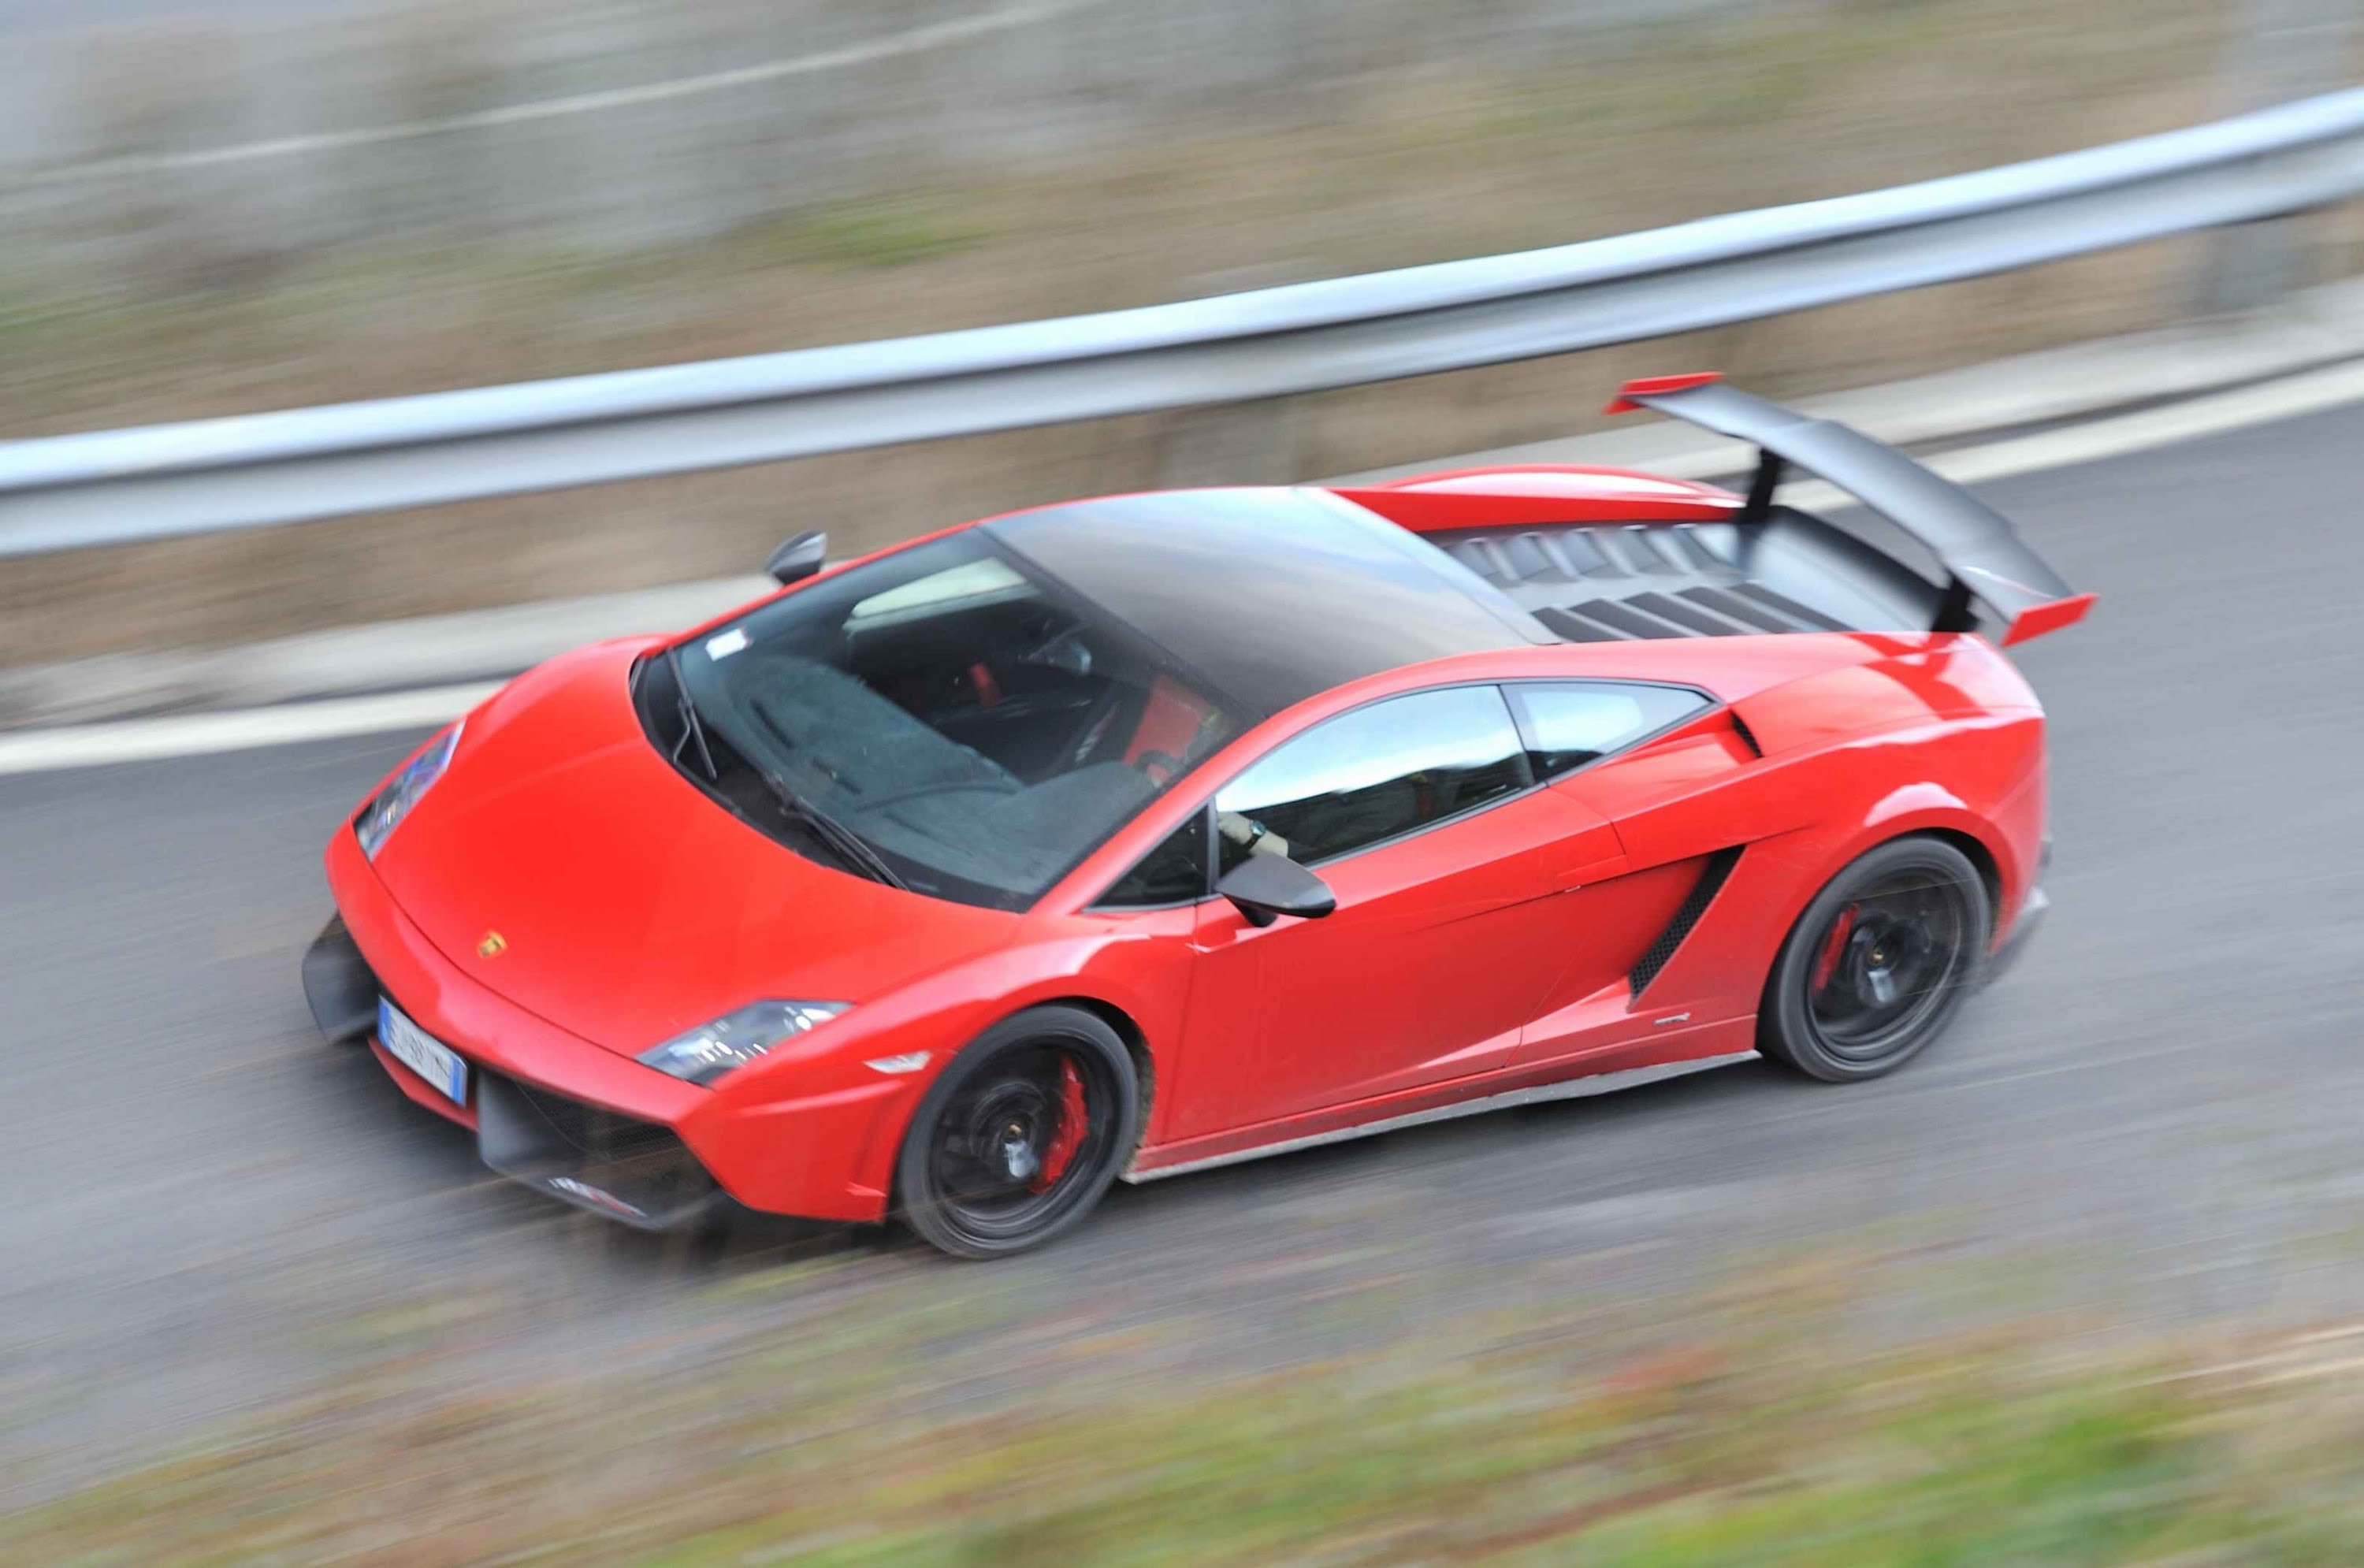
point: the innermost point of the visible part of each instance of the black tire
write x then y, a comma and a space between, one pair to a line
977, 1176
1877, 963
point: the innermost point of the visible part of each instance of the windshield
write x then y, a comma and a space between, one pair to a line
975, 727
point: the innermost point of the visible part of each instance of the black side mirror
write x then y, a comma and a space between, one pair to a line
1265, 887
798, 559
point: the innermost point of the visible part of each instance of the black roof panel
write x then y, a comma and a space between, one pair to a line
1273, 595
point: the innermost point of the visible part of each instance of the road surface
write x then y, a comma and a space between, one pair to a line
2154, 1119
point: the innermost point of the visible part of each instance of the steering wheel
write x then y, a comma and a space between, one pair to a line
1153, 762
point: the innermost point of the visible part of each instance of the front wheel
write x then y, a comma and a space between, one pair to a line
1876, 964
1020, 1136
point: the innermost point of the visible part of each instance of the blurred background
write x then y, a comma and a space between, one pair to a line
218, 206
2087, 1287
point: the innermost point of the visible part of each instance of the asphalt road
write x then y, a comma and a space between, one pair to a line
2153, 1121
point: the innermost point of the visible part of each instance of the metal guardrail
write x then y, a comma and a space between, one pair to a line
162, 481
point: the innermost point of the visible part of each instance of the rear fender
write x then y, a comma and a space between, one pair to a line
1916, 682
1800, 816
1991, 795
1720, 969
1698, 788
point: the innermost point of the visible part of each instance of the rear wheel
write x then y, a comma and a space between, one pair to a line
1020, 1136
1877, 963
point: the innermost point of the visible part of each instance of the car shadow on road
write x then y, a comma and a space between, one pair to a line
1549, 1119
440, 1156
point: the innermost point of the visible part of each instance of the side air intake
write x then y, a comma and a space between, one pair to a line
1711, 879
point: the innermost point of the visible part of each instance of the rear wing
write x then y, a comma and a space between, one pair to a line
1983, 556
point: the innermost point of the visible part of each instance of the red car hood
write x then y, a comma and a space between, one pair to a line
628, 906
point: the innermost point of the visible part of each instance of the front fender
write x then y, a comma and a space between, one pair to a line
815, 1129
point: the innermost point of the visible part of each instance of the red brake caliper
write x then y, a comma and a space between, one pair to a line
1834, 947
1073, 1119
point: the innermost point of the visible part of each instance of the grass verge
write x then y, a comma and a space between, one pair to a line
1762, 1431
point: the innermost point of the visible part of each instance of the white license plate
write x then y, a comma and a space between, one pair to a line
422, 1052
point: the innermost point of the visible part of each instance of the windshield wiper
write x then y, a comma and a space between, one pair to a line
848, 845
692, 727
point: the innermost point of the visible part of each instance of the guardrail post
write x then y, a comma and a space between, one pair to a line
2280, 50
1233, 443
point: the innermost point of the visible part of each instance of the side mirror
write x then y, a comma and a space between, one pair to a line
798, 559
1265, 887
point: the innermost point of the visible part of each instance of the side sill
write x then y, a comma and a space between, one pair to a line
1565, 1089
2032, 911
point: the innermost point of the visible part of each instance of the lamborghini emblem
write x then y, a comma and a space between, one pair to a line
491, 944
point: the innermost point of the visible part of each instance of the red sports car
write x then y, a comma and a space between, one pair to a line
1129, 836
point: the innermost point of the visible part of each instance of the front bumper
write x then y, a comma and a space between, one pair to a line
576, 1120
633, 1171
620, 1166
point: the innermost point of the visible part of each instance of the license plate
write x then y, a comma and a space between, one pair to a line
422, 1053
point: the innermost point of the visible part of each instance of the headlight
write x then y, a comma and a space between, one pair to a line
736, 1039
391, 804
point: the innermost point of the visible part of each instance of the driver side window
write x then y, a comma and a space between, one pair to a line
1373, 775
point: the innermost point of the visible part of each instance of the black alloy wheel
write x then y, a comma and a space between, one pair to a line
1020, 1136
1877, 963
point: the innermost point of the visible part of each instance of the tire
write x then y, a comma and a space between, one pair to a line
1876, 966
997, 1158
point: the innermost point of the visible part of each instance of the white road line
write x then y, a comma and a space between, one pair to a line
934, 35
2213, 413
144, 740
192, 734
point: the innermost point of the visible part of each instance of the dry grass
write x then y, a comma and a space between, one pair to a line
1401, 169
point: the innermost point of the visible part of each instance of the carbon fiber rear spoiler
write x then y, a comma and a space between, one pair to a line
1982, 554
